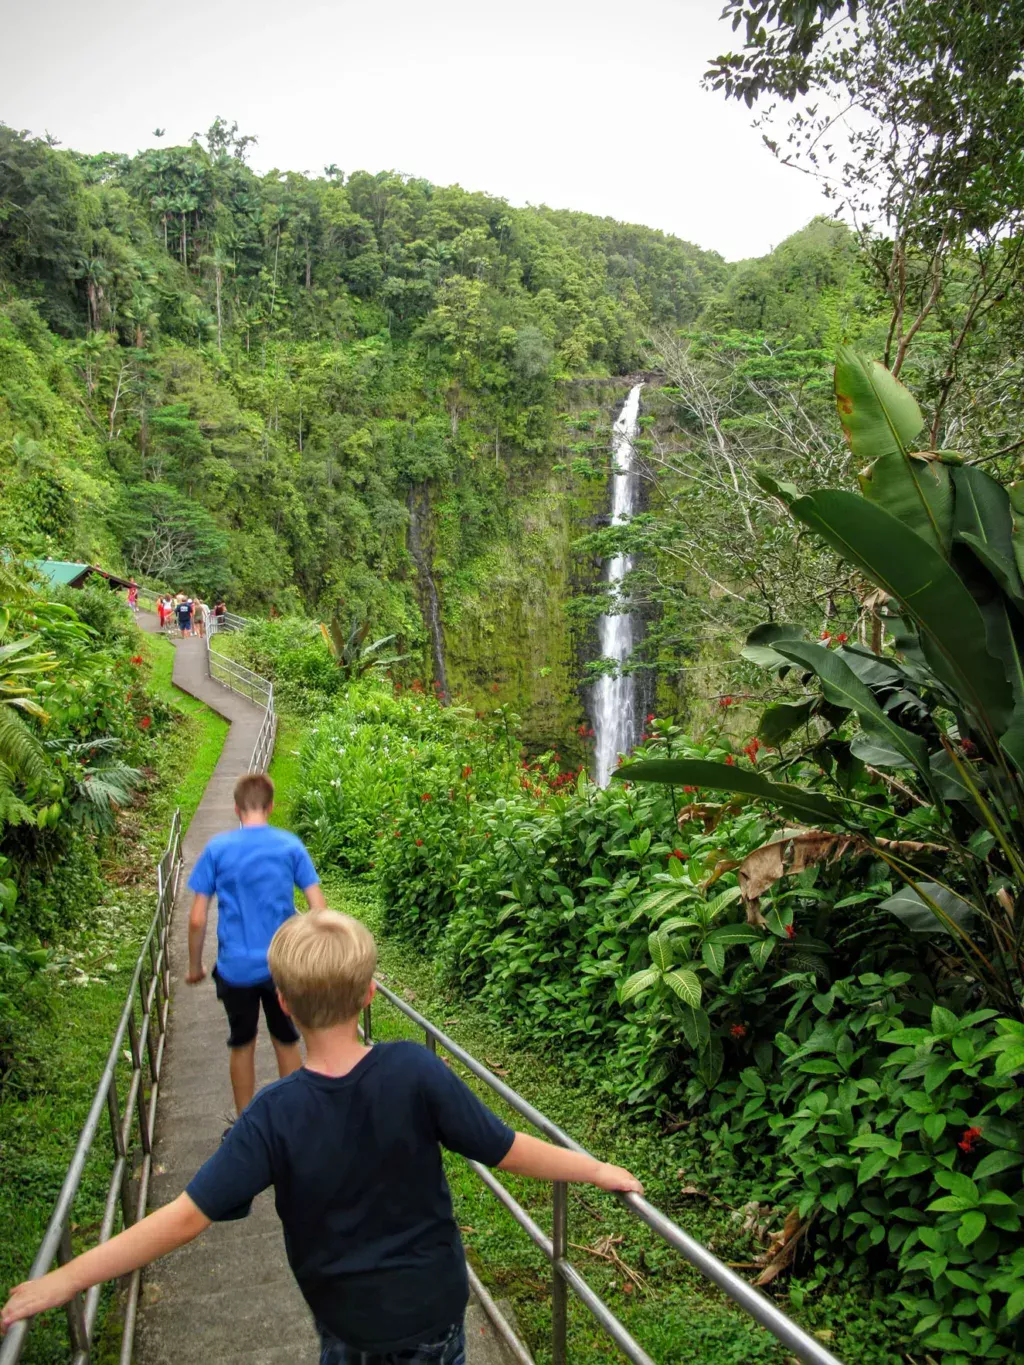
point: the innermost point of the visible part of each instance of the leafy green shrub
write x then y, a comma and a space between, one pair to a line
293, 654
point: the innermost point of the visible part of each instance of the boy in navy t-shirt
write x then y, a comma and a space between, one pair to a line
253, 872
352, 1144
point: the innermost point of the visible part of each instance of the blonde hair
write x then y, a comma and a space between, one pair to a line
323, 964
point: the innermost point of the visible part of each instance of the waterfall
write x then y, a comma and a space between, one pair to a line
421, 558
614, 702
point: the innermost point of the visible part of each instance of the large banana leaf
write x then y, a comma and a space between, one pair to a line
912, 571
842, 687
984, 520
882, 421
879, 416
918, 490
701, 772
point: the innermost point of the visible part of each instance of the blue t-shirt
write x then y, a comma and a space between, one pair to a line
253, 872
355, 1162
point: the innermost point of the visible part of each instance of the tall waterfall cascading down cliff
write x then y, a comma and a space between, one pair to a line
614, 700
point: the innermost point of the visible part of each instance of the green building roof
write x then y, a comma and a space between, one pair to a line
61, 572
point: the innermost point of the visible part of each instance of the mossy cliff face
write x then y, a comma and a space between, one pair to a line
507, 636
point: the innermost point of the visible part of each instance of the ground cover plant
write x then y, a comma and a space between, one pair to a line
79, 894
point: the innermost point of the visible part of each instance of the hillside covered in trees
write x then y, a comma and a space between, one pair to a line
340, 396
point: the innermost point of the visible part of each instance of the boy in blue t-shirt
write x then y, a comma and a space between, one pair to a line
253, 872
352, 1144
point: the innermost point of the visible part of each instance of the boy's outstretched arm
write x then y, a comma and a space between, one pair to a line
170, 1227
544, 1161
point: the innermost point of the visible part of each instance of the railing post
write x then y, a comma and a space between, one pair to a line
431, 1041
120, 1151
74, 1307
367, 1026
140, 1098
559, 1289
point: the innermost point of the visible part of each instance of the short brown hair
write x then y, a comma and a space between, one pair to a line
254, 791
323, 963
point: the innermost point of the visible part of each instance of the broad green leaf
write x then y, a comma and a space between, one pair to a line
808, 807
638, 983
842, 687
760, 643
696, 1027
1011, 1061
879, 416
686, 985
735, 933
972, 1225
955, 915
996, 1162
659, 945
984, 519
1015, 1305
781, 719
714, 956
871, 1165
882, 423
928, 589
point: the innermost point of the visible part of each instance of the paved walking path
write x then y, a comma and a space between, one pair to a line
229, 1296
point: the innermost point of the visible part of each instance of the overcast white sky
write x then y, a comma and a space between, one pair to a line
582, 104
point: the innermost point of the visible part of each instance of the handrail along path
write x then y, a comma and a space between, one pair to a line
144, 1021
565, 1277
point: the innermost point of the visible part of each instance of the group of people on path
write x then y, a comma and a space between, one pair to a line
350, 1137
187, 613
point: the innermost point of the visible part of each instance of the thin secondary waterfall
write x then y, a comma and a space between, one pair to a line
616, 727
421, 558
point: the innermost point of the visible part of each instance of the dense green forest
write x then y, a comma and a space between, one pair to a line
785, 946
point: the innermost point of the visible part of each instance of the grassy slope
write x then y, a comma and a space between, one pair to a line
68, 1030
680, 1318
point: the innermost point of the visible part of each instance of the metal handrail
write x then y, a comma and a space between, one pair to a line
150, 991
565, 1277
243, 681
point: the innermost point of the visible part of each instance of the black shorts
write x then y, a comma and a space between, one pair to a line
242, 1006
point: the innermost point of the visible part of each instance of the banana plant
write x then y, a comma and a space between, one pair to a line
933, 714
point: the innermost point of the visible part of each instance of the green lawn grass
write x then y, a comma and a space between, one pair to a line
69, 1021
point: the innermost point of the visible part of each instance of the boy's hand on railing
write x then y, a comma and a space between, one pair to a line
615, 1178
35, 1296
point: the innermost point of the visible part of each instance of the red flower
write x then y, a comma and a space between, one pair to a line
678, 853
136, 658
970, 749
725, 701
650, 718
398, 834
590, 734
752, 748
466, 772
738, 1030
790, 931
425, 797
824, 635
730, 761
842, 638
689, 790
419, 843
971, 1135
145, 722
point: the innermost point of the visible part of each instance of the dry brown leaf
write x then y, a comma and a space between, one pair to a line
496, 1067
782, 1248
796, 850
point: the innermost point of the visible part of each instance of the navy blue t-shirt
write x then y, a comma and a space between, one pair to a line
355, 1162
253, 872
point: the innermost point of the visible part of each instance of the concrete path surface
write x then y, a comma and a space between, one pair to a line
229, 1296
